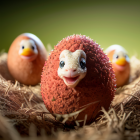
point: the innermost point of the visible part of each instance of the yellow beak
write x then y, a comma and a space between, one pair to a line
121, 61
27, 52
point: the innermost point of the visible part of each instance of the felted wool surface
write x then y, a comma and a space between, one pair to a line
98, 84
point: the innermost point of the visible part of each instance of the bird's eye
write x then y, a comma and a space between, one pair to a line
125, 56
83, 63
61, 64
33, 47
22, 47
117, 56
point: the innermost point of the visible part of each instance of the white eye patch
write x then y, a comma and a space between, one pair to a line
72, 59
72, 67
120, 54
28, 44
127, 58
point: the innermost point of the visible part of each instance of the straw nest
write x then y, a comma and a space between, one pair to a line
24, 116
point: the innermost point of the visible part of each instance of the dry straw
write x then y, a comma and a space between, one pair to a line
25, 117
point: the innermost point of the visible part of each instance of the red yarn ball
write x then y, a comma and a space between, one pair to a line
98, 84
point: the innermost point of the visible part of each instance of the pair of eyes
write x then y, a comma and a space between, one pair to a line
117, 56
82, 63
32, 47
126, 57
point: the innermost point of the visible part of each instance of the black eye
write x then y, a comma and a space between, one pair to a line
83, 63
22, 47
61, 64
125, 56
117, 56
33, 47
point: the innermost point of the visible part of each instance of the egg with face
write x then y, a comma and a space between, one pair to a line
76, 74
26, 58
120, 62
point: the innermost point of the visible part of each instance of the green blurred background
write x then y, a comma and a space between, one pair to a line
106, 22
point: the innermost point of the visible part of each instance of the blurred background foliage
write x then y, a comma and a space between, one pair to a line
107, 22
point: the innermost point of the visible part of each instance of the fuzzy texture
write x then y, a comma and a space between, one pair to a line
24, 71
98, 84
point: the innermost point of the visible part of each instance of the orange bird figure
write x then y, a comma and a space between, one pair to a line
120, 63
26, 58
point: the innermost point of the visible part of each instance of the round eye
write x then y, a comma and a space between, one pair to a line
61, 64
33, 47
22, 47
83, 63
125, 56
117, 56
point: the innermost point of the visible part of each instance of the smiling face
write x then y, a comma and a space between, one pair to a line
77, 73
72, 67
28, 50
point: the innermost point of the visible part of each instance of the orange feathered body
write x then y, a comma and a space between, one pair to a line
24, 71
122, 76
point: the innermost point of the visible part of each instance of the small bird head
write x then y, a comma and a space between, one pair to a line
121, 59
28, 49
118, 56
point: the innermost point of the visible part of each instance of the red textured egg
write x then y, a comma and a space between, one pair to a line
76, 74
26, 58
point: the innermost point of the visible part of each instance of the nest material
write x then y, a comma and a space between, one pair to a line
24, 115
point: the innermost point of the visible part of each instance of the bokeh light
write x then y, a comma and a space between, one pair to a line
106, 22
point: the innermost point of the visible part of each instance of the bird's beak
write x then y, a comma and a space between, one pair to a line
121, 61
27, 52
